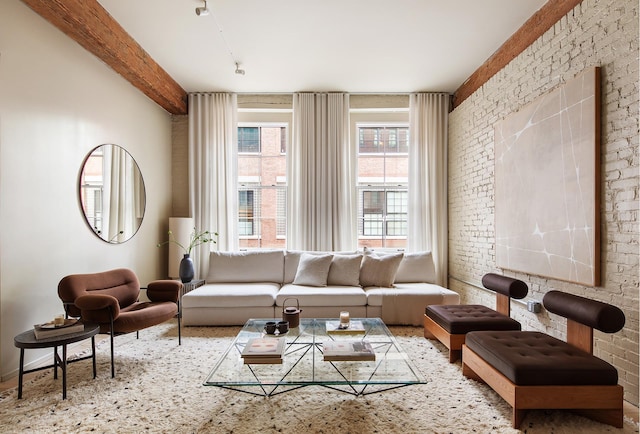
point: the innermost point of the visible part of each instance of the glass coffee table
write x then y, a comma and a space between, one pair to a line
303, 363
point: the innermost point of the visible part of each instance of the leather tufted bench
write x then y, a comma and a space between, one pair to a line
532, 370
534, 358
450, 323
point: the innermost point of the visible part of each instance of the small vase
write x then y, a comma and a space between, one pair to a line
186, 270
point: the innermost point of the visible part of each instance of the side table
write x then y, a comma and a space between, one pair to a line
186, 287
28, 340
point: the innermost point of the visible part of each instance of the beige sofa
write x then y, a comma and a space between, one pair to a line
256, 284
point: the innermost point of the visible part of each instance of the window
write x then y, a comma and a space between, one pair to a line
383, 175
248, 139
262, 189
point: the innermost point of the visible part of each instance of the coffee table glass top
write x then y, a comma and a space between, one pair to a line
303, 363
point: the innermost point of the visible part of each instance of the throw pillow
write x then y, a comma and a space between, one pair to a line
416, 267
345, 270
379, 270
313, 270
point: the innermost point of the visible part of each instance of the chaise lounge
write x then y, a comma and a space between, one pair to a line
532, 370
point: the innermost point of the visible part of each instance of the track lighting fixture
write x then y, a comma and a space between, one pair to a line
202, 10
238, 70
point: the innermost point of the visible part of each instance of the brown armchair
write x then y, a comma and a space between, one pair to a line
110, 299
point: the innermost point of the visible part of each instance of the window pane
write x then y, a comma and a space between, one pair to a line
383, 140
248, 139
373, 202
245, 211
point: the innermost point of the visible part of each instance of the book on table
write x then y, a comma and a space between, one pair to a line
352, 350
264, 350
50, 330
354, 328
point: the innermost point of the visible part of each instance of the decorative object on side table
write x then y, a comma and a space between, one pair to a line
186, 270
52, 329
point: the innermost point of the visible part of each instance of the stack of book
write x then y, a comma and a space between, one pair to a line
50, 330
264, 351
335, 351
353, 328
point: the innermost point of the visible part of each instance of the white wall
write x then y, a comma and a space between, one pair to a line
57, 102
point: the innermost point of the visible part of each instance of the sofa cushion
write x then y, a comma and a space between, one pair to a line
325, 296
405, 303
231, 295
461, 319
241, 267
379, 270
416, 267
434, 294
313, 270
533, 358
345, 270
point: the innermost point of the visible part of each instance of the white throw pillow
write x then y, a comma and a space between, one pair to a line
416, 267
345, 270
313, 270
379, 270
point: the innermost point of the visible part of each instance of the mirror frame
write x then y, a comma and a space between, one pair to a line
133, 184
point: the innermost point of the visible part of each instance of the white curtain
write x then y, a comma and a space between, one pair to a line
213, 181
121, 188
321, 175
427, 218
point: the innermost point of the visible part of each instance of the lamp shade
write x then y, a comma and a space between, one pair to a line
181, 229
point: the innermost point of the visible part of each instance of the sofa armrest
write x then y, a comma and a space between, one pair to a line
98, 308
164, 290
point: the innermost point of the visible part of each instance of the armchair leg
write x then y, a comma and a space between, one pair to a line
113, 368
179, 332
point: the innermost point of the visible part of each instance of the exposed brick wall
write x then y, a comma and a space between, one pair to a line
596, 33
180, 166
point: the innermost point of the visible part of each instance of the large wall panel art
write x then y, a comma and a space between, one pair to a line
547, 164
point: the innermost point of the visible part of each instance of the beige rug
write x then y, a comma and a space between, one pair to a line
158, 389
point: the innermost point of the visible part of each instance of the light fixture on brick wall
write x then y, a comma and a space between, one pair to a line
202, 10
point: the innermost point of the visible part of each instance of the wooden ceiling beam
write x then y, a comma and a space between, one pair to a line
89, 24
531, 30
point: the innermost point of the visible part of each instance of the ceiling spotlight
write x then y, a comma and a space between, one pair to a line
238, 70
202, 10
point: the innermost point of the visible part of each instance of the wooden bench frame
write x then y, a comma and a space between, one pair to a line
601, 403
454, 342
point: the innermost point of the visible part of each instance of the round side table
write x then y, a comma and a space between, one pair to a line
28, 340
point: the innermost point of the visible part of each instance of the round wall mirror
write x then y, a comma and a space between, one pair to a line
112, 193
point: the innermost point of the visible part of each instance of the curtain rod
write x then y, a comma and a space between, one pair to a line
321, 91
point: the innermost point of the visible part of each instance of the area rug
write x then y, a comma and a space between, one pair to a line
158, 389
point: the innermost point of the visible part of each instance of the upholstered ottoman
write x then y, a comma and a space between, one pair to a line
458, 320
450, 323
